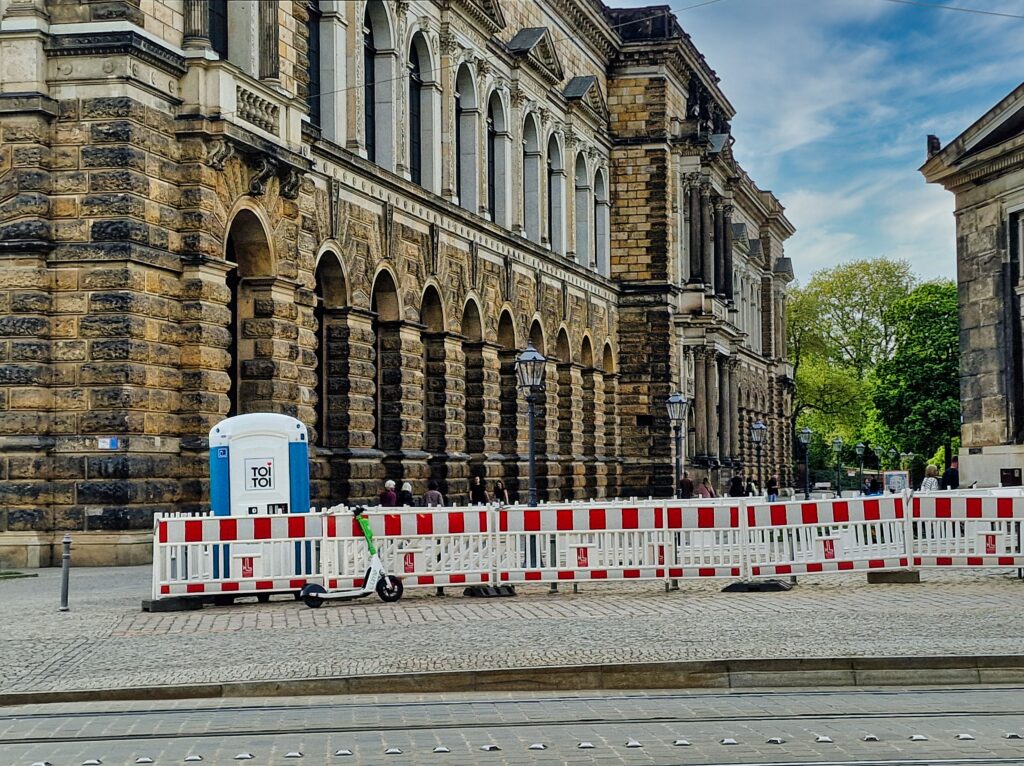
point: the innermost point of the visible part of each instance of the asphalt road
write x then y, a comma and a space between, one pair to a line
946, 726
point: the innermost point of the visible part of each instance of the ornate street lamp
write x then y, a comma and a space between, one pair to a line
805, 439
530, 373
676, 405
860, 456
893, 454
837, 447
757, 432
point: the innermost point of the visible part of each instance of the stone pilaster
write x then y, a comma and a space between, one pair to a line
725, 409
269, 24
734, 419
706, 231
488, 383
570, 416
729, 290
444, 410
513, 427
593, 448
711, 401
700, 407
693, 201
719, 250
197, 25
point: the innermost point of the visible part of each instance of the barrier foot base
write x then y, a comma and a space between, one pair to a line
878, 578
757, 586
489, 591
172, 605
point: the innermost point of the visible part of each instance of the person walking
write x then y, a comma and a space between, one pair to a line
433, 496
931, 479
773, 488
751, 489
405, 497
686, 486
705, 489
388, 498
477, 493
498, 492
736, 487
951, 477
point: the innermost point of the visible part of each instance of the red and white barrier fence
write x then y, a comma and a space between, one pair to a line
732, 538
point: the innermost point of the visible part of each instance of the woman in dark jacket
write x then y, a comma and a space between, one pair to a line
477, 493
736, 487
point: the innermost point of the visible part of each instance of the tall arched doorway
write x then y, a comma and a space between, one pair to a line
510, 423
331, 425
435, 387
387, 377
476, 388
611, 422
545, 423
566, 419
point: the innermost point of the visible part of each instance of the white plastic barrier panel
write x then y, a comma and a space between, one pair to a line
236, 556
706, 541
600, 541
826, 536
957, 531
423, 546
259, 464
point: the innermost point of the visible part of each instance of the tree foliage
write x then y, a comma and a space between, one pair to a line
917, 392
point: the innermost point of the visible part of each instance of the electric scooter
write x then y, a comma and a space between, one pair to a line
388, 587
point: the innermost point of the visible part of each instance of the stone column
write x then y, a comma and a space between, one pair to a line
445, 413
719, 248
612, 451
706, 244
734, 416
570, 415
269, 57
490, 423
725, 408
729, 289
197, 24
693, 202
700, 409
513, 427
711, 400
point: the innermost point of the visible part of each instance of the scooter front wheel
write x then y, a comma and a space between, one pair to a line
389, 588
311, 595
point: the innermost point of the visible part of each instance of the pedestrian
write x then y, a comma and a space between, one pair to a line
388, 498
875, 487
751, 489
477, 493
499, 493
931, 479
773, 488
405, 497
686, 487
736, 488
951, 477
705, 489
433, 496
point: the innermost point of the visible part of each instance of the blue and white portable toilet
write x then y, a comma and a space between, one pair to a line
259, 463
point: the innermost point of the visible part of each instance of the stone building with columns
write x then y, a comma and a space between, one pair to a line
358, 213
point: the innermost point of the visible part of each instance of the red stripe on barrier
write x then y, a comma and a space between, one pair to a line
809, 513
1004, 508
533, 576
734, 518
264, 585
675, 518
872, 511
784, 569
566, 576
631, 573
703, 572
1006, 561
228, 586
228, 530
297, 584
485, 577
630, 518
297, 526
751, 516
840, 511
659, 572
815, 568
392, 525
483, 521
659, 515
943, 561
531, 521
358, 582
193, 531
504, 575
332, 526
735, 572
424, 523
844, 565
876, 564
705, 518
425, 580
903, 562
195, 587
165, 590
974, 507
456, 523
332, 583
755, 571
778, 516
917, 561
597, 519
598, 574
563, 520
261, 529
975, 561
503, 521
457, 579
161, 529
675, 573
943, 508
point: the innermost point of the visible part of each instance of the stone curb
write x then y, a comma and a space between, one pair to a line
712, 674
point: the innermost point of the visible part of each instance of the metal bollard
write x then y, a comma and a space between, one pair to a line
65, 573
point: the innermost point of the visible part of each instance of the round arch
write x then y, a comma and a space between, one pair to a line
432, 310
248, 241
331, 285
562, 350
537, 336
608, 362
472, 325
380, 24
384, 300
507, 331
587, 353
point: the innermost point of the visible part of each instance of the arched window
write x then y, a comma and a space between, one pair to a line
556, 197
415, 119
583, 210
330, 294
467, 113
315, 87
498, 155
601, 222
369, 88
531, 179
492, 138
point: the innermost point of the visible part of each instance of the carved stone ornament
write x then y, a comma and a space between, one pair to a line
474, 265
290, 184
262, 171
218, 153
519, 96
435, 247
388, 229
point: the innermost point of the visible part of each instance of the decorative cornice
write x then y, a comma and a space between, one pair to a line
117, 44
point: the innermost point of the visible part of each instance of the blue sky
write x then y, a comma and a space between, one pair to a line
834, 99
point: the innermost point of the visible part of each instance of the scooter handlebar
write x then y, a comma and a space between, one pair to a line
358, 511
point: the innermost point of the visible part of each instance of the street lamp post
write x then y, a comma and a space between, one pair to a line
837, 447
676, 405
892, 458
530, 373
757, 437
860, 457
805, 439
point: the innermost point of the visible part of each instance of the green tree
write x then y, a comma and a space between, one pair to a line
918, 392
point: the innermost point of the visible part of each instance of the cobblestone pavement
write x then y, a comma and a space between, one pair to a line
956, 726
106, 642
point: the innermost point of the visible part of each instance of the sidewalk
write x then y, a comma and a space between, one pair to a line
106, 642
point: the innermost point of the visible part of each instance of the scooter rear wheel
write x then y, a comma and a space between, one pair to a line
389, 588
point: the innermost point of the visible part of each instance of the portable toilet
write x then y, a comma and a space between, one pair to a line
259, 463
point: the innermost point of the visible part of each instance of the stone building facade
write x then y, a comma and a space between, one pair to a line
357, 213
984, 168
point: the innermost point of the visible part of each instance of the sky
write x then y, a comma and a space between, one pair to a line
834, 100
